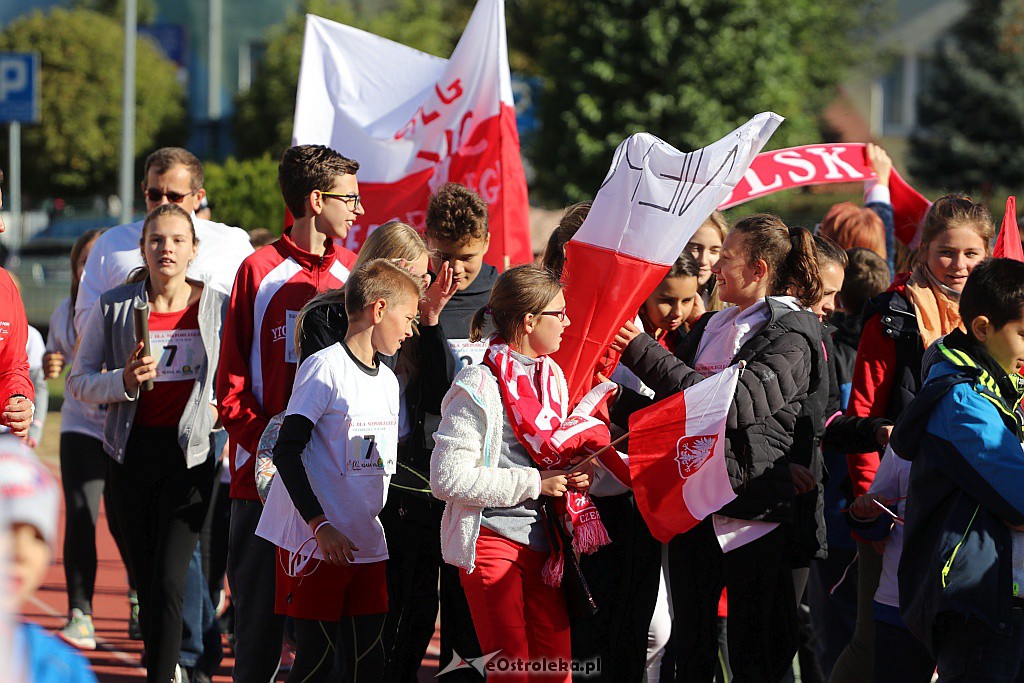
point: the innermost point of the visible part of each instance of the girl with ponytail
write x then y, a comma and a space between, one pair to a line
769, 273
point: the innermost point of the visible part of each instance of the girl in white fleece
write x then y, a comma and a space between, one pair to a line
506, 438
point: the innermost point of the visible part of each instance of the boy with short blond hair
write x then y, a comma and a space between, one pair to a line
335, 454
961, 579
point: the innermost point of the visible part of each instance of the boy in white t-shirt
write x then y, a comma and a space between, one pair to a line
335, 455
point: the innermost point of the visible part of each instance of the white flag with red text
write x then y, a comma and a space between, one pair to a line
651, 202
414, 121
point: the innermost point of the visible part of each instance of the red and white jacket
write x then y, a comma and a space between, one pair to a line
14, 377
257, 357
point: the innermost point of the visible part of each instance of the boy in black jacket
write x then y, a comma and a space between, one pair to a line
457, 235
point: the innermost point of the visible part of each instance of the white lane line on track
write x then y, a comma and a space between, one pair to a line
101, 644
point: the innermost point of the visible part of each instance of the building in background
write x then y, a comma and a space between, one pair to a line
880, 102
186, 30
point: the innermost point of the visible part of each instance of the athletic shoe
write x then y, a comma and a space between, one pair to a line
134, 630
79, 631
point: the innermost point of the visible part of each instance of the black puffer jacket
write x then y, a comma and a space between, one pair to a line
785, 369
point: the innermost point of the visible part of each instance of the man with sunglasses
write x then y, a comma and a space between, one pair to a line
172, 175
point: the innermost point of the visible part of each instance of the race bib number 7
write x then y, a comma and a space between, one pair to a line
179, 354
371, 447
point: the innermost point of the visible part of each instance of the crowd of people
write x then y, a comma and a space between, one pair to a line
353, 445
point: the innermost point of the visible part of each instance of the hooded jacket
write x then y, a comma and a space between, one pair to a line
963, 434
785, 370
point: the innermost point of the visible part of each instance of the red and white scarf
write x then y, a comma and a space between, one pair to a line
538, 412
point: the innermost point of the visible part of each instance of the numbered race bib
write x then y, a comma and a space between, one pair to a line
179, 354
371, 451
289, 341
466, 352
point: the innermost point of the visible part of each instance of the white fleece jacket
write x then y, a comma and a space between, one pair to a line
464, 468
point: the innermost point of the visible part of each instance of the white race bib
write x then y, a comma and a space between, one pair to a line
179, 354
368, 453
467, 352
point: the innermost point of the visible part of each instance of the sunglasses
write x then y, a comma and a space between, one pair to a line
557, 314
155, 195
354, 198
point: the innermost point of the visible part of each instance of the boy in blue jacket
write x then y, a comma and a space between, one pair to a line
962, 570
29, 503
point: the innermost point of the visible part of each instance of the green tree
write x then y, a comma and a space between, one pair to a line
245, 193
76, 146
263, 119
145, 9
688, 71
971, 111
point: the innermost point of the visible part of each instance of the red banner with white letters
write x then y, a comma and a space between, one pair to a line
786, 169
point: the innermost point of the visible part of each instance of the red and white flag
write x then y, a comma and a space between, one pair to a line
414, 121
1008, 244
651, 202
677, 456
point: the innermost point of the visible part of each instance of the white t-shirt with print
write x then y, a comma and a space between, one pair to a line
725, 334
351, 455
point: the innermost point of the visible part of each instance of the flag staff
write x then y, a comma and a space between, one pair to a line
597, 453
127, 174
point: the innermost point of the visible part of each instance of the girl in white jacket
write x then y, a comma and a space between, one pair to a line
499, 448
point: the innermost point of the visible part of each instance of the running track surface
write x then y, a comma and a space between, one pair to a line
116, 658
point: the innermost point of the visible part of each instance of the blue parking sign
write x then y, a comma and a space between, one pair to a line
19, 87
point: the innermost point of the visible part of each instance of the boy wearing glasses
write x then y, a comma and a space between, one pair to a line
456, 234
172, 175
257, 368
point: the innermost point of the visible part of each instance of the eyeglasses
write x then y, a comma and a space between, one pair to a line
354, 198
155, 195
557, 314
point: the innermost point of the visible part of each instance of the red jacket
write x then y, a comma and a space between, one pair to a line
14, 377
874, 374
257, 357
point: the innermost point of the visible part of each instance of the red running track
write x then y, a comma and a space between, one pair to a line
116, 659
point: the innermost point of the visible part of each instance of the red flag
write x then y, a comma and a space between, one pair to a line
909, 208
1008, 243
414, 121
785, 169
677, 456
651, 202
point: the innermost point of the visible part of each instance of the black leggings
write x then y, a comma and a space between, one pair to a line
160, 504
349, 650
83, 475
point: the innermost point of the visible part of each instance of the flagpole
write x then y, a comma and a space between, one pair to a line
127, 171
597, 453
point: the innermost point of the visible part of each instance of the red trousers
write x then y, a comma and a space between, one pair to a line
515, 612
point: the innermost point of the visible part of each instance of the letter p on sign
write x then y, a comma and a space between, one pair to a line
19, 87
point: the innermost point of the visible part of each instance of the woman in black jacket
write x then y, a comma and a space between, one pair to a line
743, 547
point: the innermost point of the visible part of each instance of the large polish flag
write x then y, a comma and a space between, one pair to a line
677, 456
414, 121
651, 202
